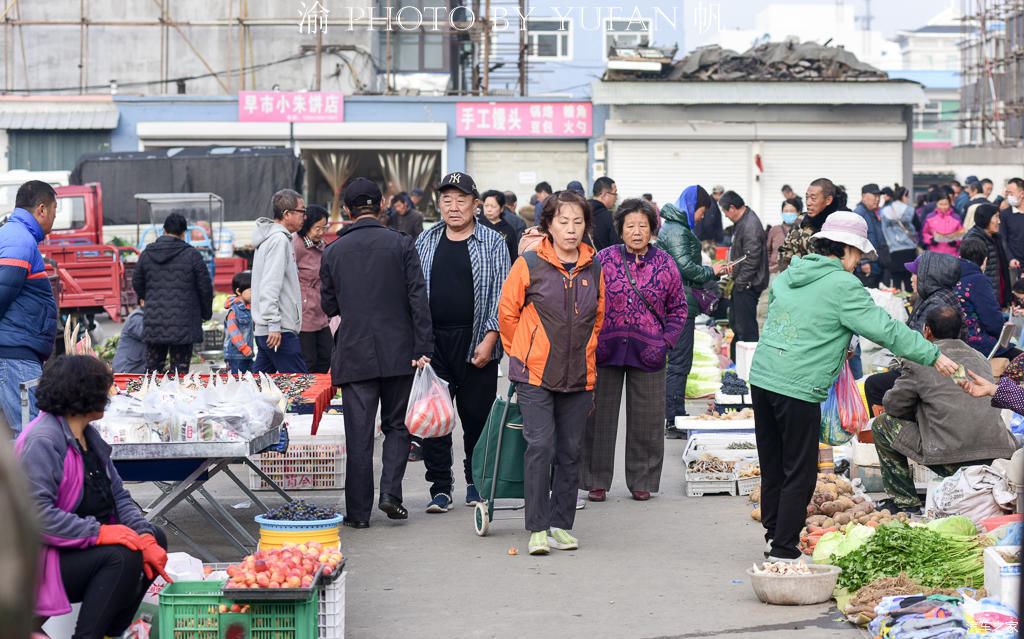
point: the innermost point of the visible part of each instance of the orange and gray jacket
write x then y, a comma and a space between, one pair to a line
550, 319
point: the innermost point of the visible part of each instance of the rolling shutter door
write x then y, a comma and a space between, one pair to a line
519, 165
665, 168
852, 164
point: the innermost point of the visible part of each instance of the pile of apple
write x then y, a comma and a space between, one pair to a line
292, 566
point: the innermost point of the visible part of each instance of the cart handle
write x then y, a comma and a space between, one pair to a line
511, 390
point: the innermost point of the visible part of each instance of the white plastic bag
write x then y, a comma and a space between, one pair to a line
970, 491
430, 412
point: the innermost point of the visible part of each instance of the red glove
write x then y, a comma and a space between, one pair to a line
116, 534
154, 558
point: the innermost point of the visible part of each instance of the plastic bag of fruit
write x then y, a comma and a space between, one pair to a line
431, 412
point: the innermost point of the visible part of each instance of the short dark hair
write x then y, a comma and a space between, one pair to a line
634, 205
542, 187
1018, 286
828, 248
648, 196
973, 187
33, 193
955, 183
314, 213
795, 203
284, 200
934, 195
786, 187
602, 185
74, 385
241, 281
942, 196
986, 181
983, 215
498, 196
974, 249
402, 197
557, 201
730, 200
827, 186
944, 322
1018, 181
175, 224
510, 198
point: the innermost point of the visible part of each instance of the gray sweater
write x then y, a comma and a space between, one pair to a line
276, 297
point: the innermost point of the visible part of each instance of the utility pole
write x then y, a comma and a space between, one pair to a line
523, 53
487, 46
319, 54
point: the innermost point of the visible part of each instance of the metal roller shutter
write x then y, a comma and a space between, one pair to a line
664, 168
519, 165
852, 164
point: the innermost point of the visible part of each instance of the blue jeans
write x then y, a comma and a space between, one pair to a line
286, 359
237, 366
13, 372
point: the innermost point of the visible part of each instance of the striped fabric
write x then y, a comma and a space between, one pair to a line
488, 256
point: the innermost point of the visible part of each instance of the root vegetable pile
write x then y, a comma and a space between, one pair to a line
782, 568
708, 463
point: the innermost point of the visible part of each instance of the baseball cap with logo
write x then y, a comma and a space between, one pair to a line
362, 192
461, 181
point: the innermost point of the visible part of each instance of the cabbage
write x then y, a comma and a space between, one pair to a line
953, 526
826, 546
856, 535
697, 387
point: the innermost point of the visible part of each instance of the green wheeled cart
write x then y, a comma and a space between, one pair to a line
498, 460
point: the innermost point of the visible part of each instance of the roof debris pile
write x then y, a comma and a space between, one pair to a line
769, 61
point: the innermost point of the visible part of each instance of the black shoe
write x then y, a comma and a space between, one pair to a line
415, 451
354, 523
671, 432
392, 507
890, 505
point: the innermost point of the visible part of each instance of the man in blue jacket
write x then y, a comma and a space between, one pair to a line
28, 312
870, 272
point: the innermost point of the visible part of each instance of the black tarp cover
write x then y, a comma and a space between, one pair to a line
246, 177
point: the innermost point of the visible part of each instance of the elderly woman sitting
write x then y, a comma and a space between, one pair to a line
97, 548
645, 310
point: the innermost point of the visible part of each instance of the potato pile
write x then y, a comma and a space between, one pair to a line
833, 506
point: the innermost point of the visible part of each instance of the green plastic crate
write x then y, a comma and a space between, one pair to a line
191, 610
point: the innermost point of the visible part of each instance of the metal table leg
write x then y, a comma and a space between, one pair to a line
273, 485
185, 487
227, 516
245, 489
190, 500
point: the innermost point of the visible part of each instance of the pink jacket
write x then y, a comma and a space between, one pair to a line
942, 222
308, 260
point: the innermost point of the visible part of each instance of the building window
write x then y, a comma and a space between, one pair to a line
421, 51
626, 33
549, 38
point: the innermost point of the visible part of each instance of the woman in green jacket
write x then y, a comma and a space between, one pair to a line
677, 239
814, 307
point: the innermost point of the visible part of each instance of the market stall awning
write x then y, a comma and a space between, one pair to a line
58, 113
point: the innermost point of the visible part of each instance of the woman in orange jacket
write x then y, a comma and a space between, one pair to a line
551, 309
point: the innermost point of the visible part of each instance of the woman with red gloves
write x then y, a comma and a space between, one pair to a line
97, 547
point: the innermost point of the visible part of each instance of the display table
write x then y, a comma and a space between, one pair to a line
181, 469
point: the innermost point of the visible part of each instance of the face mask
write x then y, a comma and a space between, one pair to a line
1013, 201
788, 218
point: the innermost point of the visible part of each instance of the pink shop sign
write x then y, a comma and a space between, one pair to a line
291, 106
524, 119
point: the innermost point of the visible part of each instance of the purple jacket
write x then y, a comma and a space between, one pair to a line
55, 473
631, 335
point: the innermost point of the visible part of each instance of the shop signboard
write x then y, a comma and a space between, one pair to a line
291, 106
524, 119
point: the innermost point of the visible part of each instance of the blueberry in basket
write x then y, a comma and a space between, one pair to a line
300, 510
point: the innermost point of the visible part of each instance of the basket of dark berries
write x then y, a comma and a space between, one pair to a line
299, 521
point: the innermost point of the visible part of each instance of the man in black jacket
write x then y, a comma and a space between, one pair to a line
605, 195
176, 286
751, 275
371, 277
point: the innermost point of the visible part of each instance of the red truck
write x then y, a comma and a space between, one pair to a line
90, 276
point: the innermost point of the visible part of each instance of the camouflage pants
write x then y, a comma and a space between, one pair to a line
896, 475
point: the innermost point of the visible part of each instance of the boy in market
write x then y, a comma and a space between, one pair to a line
238, 335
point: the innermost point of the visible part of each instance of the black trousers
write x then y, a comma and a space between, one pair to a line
877, 385
317, 347
680, 362
899, 276
156, 358
109, 583
786, 430
743, 318
473, 390
361, 399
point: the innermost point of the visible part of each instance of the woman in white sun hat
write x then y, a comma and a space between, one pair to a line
814, 307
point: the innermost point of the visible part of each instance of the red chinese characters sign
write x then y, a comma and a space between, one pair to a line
291, 106
524, 119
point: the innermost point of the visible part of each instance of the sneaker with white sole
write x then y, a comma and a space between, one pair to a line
767, 548
539, 543
472, 495
560, 539
441, 503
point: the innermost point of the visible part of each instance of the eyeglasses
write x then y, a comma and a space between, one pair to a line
303, 211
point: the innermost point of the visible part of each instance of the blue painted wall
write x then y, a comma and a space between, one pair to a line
173, 108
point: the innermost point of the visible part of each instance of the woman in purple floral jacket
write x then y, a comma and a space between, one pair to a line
645, 309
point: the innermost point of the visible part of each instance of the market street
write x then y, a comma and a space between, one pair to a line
670, 567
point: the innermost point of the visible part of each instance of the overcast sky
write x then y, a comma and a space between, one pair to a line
889, 16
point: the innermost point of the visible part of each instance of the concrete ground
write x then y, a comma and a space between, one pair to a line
670, 567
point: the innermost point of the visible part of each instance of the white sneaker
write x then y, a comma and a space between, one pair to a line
767, 548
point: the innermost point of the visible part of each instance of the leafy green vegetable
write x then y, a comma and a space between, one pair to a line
931, 559
826, 546
856, 536
955, 525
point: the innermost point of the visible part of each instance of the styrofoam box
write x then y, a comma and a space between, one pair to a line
864, 454
744, 356
1002, 580
731, 400
692, 423
717, 444
331, 622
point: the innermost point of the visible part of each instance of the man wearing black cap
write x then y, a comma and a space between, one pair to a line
870, 272
371, 277
464, 265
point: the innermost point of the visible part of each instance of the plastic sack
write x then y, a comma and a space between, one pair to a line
970, 492
853, 415
831, 429
430, 412
989, 618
